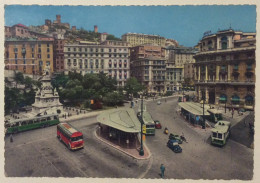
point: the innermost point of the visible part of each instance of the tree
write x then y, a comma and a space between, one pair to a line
113, 98
18, 78
132, 86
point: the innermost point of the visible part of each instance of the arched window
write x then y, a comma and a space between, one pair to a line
249, 100
235, 99
223, 98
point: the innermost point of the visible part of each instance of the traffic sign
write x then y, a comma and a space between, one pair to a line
144, 129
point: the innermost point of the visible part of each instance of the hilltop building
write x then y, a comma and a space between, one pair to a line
138, 39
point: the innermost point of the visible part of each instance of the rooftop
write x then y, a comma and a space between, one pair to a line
123, 119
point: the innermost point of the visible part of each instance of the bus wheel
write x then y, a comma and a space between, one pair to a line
42, 125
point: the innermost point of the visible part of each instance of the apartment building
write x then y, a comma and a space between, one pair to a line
28, 55
225, 69
112, 60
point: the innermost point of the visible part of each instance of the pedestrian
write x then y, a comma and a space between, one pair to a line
162, 168
11, 138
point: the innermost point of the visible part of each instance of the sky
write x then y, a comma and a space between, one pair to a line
186, 24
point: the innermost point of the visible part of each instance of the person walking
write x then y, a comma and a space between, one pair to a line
162, 168
11, 138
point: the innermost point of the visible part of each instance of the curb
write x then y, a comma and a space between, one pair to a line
92, 114
101, 139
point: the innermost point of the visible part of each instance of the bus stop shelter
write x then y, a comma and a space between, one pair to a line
193, 112
121, 126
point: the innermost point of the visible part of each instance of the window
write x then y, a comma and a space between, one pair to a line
68, 49
48, 45
48, 55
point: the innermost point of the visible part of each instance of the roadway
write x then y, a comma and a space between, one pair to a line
39, 153
199, 159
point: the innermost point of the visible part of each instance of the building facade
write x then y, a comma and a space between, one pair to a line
28, 55
109, 59
225, 69
150, 72
138, 39
58, 54
147, 51
176, 59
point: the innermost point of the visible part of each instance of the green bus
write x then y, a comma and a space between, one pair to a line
149, 123
215, 115
220, 133
19, 125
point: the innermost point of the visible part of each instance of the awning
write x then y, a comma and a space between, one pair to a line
123, 119
194, 108
235, 98
249, 98
223, 98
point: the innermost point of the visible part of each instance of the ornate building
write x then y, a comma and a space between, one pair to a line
225, 69
46, 100
112, 58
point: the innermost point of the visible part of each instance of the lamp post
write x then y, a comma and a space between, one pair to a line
226, 106
141, 152
203, 98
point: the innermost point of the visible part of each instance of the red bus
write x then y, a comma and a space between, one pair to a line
70, 136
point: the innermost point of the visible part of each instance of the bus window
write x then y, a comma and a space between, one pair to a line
7, 125
30, 122
48, 118
16, 124
55, 117
23, 123
43, 119
220, 135
214, 134
76, 138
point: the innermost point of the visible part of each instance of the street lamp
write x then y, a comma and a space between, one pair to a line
141, 152
203, 98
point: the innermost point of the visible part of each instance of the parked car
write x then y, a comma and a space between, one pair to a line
157, 124
173, 145
175, 137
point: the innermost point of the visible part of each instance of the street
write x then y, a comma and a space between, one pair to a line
199, 159
39, 153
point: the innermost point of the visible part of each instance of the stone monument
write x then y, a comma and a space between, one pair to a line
46, 99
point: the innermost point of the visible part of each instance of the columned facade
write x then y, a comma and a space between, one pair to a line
225, 69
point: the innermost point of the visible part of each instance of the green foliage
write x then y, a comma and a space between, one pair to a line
112, 37
80, 89
113, 98
132, 86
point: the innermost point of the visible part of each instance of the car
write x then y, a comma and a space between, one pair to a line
175, 137
173, 145
157, 124
158, 102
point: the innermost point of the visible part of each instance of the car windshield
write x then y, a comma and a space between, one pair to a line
76, 138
